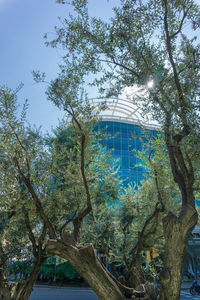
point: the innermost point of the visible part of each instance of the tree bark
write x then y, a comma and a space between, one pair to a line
176, 232
4, 291
23, 290
84, 260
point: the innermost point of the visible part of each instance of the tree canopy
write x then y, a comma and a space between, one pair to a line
146, 45
69, 179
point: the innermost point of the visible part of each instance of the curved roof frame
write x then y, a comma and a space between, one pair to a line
118, 109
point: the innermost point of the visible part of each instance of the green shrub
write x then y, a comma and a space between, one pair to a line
48, 272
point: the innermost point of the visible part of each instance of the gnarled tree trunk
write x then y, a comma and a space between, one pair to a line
176, 233
84, 260
4, 291
23, 290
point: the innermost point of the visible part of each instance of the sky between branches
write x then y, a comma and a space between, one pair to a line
23, 24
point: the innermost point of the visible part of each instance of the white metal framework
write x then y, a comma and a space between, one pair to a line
117, 109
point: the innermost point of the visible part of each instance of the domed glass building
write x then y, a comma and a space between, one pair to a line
127, 132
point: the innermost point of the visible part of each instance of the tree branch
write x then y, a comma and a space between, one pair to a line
142, 235
66, 223
36, 200
77, 222
23, 148
85, 182
175, 74
191, 169
42, 235
30, 232
185, 12
121, 65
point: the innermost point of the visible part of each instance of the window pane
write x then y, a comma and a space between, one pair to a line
125, 162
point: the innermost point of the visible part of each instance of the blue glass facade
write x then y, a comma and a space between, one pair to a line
123, 141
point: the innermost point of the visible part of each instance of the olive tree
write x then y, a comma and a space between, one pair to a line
22, 235
151, 46
77, 174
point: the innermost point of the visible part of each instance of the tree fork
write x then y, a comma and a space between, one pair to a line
84, 260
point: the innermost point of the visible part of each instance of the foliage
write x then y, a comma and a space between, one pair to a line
70, 178
132, 49
48, 272
21, 270
55, 169
146, 47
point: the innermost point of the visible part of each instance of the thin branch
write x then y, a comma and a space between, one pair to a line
136, 251
175, 170
178, 167
185, 12
43, 234
120, 65
66, 223
3, 257
36, 200
143, 235
77, 222
85, 182
152, 216
175, 73
22, 146
181, 162
168, 99
30, 232
18, 139
156, 182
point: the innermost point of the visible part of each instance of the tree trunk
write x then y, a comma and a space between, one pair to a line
23, 290
84, 260
176, 232
139, 273
4, 287
4, 292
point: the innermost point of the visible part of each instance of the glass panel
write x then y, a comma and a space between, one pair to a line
130, 130
110, 144
124, 127
117, 153
138, 144
117, 144
131, 144
125, 153
140, 169
110, 128
117, 127
132, 163
125, 144
125, 162
137, 131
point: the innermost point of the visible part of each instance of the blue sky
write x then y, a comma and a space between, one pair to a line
23, 24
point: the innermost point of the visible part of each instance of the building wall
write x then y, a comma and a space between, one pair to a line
123, 141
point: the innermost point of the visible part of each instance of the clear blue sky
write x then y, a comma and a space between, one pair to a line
23, 24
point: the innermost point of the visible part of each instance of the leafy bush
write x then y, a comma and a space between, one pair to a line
20, 269
48, 272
